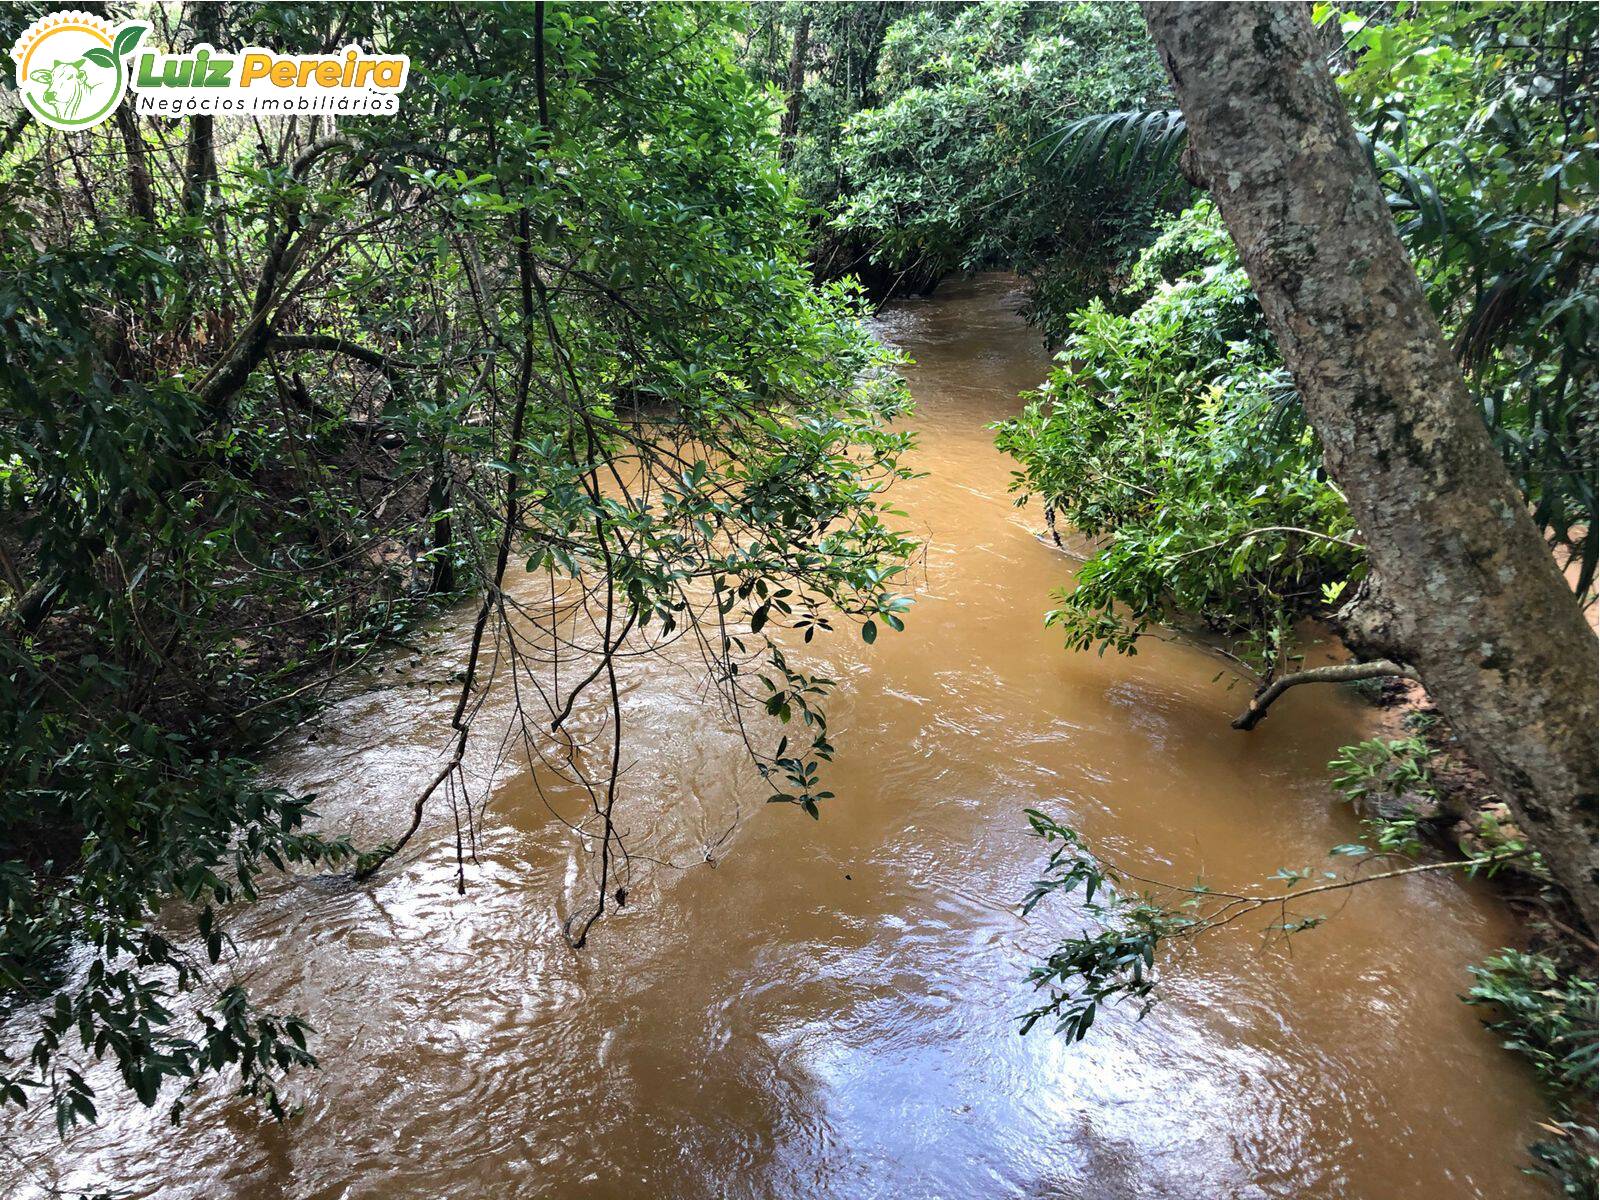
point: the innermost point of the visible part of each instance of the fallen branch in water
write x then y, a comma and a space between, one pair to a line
1341, 673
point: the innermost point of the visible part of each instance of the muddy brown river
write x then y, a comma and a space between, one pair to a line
792, 1008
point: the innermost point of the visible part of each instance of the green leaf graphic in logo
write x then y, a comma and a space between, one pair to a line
66, 94
127, 39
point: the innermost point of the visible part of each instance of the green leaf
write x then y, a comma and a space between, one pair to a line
126, 40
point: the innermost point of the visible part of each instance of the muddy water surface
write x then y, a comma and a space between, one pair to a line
788, 1008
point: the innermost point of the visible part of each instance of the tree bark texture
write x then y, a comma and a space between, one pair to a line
796, 88
200, 160
1473, 597
140, 188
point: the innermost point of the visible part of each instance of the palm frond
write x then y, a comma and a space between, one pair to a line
1137, 150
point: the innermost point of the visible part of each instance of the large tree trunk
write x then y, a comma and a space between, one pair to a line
140, 188
1474, 600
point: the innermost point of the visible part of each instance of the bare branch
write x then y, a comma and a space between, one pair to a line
1341, 673
339, 345
1249, 534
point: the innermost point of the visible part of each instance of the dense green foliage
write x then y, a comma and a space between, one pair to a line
839, 66
1483, 121
1168, 438
928, 138
1171, 435
1546, 1012
955, 167
263, 397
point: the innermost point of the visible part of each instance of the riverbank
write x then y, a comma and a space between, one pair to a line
1539, 993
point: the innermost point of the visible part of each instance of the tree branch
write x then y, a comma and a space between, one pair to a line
339, 345
1341, 673
1249, 534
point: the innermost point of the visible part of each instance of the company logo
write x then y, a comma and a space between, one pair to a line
72, 68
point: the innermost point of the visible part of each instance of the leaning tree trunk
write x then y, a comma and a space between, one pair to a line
1475, 601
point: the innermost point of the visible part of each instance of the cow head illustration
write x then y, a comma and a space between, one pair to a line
67, 87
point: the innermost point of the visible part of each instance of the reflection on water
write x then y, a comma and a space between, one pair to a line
799, 1008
